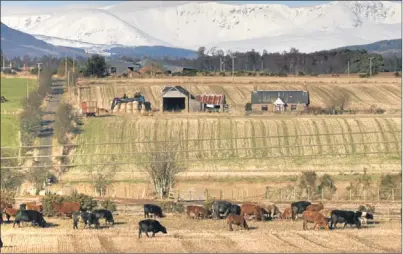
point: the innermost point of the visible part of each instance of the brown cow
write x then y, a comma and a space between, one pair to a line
67, 208
35, 207
238, 220
287, 214
326, 212
314, 217
271, 210
251, 209
197, 211
315, 207
10, 212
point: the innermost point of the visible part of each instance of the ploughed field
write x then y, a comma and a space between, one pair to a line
362, 93
204, 236
239, 146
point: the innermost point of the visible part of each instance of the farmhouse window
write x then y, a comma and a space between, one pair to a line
265, 108
293, 107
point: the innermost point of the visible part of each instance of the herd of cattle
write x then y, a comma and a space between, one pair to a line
233, 213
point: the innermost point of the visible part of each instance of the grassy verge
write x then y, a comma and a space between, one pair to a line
9, 130
14, 89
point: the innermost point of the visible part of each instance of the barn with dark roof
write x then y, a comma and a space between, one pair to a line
279, 101
177, 98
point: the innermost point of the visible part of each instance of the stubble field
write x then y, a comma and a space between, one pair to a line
206, 236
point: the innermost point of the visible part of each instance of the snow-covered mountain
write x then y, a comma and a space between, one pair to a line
232, 27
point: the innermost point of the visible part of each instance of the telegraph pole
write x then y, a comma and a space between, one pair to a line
74, 56
370, 66
27, 88
4, 61
39, 70
233, 57
220, 64
348, 68
65, 65
261, 64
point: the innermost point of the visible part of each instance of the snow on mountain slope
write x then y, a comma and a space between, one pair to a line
194, 24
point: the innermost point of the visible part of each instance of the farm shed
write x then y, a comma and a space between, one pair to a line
175, 98
278, 101
119, 66
213, 102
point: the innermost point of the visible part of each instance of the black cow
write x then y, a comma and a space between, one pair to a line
150, 225
298, 208
153, 209
104, 214
30, 216
221, 207
89, 218
346, 217
235, 209
1, 243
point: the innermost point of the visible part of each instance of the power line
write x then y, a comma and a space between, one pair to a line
208, 160
206, 139
203, 150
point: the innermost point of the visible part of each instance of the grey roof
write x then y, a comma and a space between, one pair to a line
179, 89
121, 66
166, 66
288, 97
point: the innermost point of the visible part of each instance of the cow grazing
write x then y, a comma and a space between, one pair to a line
67, 208
298, 208
287, 214
271, 210
104, 214
35, 207
89, 219
237, 220
346, 217
364, 217
32, 216
221, 207
315, 207
152, 209
150, 225
10, 212
197, 212
251, 209
314, 217
235, 209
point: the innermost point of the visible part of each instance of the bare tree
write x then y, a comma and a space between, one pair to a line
102, 176
162, 166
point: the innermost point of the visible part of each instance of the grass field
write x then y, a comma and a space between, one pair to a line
236, 146
206, 236
363, 93
14, 90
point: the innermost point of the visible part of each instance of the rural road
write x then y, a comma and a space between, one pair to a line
48, 119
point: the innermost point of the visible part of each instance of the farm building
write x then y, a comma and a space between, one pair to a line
212, 102
116, 66
279, 101
176, 98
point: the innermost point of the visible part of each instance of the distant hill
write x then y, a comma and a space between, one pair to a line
17, 44
152, 52
386, 48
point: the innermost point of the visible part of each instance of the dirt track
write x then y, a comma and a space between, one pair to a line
186, 235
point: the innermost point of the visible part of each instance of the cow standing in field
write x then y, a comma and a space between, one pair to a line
298, 208
32, 216
287, 214
104, 214
237, 220
364, 217
1, 243
34, 207
152, 209
150, 225
67, 208
251, 209
346, 217
197, 211
221, 207
317, 218
272, 211
89, 219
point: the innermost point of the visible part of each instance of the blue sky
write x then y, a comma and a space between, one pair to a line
62, 3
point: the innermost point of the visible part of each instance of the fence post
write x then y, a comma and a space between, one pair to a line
221, 194
266, 193
393, 194
379, 194
281, 194
322, 194
365, 195
232, 194
206, 194
350, 194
